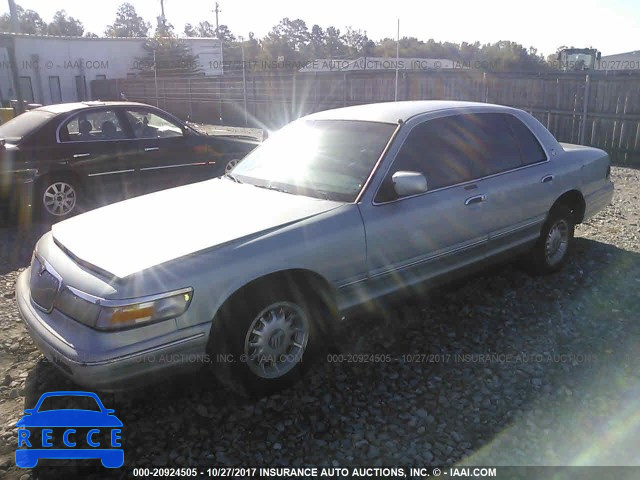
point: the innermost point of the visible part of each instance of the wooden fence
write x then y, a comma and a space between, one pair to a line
597, 109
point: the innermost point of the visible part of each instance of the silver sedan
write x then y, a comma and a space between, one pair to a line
248, 272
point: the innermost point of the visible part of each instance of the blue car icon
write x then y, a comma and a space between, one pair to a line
88, 433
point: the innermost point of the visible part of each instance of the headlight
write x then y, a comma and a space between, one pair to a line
117, 314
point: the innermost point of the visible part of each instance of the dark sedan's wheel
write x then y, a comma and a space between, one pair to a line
231, 164
267, 337
59, 197
552, 249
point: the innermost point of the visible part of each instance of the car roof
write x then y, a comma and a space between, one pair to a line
394, 112
70, 107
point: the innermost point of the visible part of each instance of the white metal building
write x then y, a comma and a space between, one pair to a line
620, 61
60, 69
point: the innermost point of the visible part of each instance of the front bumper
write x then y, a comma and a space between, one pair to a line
76, 349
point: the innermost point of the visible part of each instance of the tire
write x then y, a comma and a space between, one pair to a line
265, 338
554, 245
230, 165
58, 197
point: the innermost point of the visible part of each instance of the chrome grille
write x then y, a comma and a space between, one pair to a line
44, 285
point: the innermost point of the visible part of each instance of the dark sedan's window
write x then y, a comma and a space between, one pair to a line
530, 148
147, 124
15, 129
88, 126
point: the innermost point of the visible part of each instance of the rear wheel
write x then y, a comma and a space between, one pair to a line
59, 197
553, 247
267, 337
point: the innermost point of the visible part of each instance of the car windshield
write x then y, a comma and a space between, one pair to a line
329, 159
18, 127
66, 402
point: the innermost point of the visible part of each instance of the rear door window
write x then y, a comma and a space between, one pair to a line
93, 125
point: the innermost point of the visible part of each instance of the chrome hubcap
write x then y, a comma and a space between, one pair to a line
231, 165
557, 242
276, 339
59, 199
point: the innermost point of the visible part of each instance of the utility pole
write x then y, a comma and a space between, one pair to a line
395, 96
217, 10
15, 25
11, 51
162, 20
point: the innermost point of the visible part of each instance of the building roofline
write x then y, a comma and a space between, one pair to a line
633, 52
62, 37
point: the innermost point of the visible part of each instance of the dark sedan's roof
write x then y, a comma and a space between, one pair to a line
70, 107
392, 112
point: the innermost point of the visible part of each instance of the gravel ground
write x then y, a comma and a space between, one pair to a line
501, 369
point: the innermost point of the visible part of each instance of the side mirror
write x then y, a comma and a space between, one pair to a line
409, 183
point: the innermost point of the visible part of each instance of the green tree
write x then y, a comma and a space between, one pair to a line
65, 25
189, 30
288, 39
128, 23
510, 56
252, 48
335, 46
208, 30
355, 41
168, 56
225, 34
317, 43
28, 22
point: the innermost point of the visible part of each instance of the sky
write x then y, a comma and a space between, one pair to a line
611, 26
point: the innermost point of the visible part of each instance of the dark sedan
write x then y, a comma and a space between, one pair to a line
60, 158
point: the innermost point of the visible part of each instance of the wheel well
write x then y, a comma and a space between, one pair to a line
574, 200
300, 282
61, 173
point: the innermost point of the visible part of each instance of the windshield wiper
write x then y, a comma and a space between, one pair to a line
271, 187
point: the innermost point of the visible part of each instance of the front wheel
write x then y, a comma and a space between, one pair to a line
268, 337
231, 164
553, 247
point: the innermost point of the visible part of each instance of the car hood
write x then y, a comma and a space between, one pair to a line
140, 233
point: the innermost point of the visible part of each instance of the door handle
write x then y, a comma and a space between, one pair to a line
81, 155
476, 199
151, 149
546, 179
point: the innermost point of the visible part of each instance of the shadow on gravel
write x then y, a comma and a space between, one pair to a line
497, 346
17, 244
465, 365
